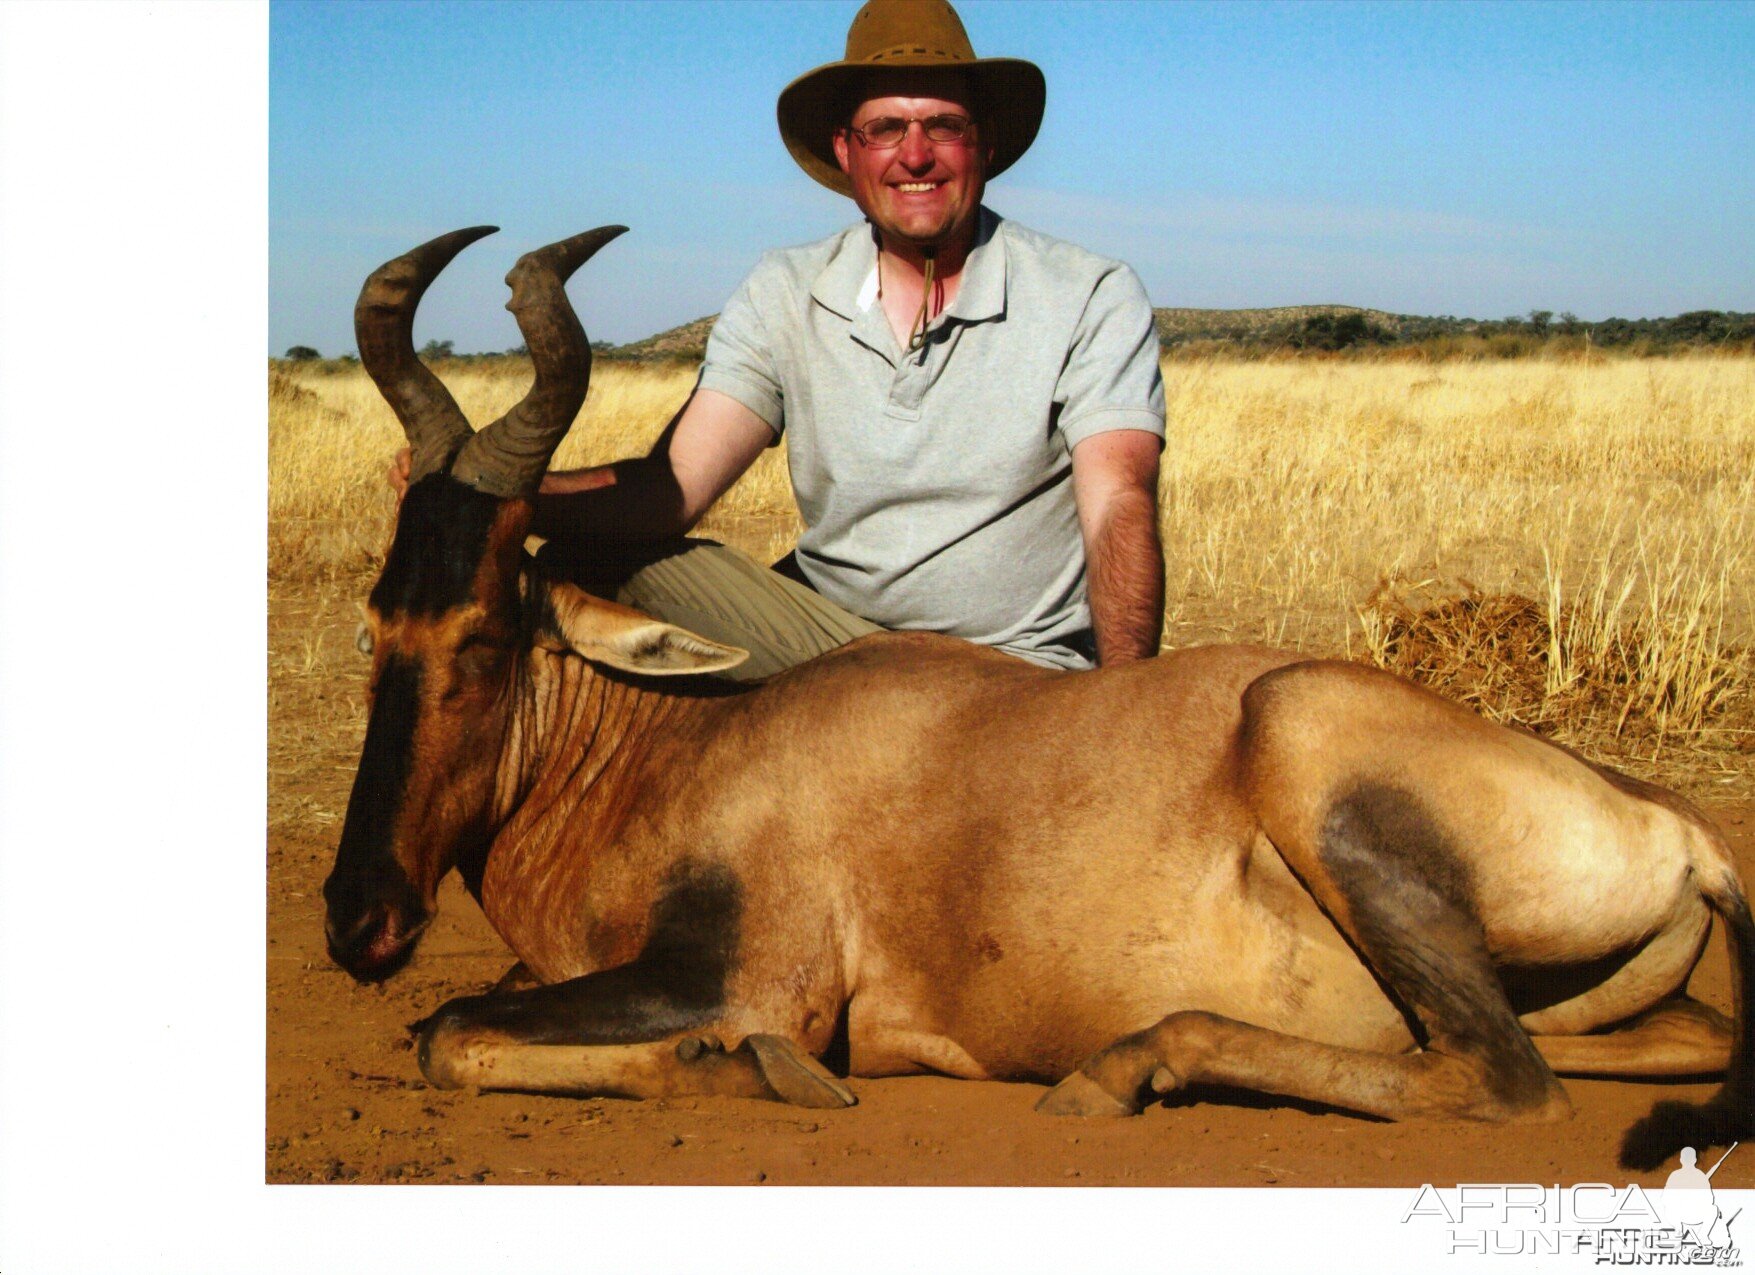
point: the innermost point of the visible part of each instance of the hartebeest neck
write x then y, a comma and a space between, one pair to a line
579, 746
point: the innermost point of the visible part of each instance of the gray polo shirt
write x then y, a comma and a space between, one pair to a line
936, 487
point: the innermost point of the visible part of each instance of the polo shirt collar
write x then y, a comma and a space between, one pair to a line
838, 284
981, 295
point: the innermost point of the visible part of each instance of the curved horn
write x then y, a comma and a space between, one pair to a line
509, 457
383, 323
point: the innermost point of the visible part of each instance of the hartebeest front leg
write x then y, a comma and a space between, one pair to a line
637, 1031
762, 1066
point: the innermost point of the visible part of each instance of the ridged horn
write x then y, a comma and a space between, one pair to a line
509, 457
383, 323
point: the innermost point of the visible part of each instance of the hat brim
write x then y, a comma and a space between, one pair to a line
1012, 92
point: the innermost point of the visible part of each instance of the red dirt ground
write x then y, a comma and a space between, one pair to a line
346, 1103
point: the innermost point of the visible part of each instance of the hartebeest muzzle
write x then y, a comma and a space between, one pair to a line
375, 911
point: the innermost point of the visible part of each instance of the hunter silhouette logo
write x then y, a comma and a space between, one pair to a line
1688, 1204
1683, 1224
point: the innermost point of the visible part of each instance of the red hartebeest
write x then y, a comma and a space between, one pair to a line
1226, 866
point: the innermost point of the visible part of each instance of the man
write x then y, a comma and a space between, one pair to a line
973, 411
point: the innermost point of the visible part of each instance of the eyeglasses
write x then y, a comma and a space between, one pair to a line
887, 131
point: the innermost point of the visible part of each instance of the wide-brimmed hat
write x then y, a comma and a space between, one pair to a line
909, 33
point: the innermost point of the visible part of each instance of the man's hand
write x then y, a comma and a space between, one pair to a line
400, 465
1115, 485
706, 447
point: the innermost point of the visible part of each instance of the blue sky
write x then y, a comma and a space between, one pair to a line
1472, 159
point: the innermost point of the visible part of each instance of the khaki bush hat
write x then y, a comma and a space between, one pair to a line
909, 33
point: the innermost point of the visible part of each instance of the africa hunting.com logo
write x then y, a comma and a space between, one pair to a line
1681, 1225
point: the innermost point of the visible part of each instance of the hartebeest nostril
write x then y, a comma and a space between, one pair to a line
348, 935
375, 944
350, 939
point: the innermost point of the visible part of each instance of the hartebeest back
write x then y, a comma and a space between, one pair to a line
1226, 866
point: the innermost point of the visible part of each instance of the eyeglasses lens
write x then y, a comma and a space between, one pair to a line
888, 131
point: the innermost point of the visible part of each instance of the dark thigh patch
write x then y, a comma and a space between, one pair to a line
1412, 903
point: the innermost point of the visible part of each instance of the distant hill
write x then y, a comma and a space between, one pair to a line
1177, 324
1335, 327
1324, 326
687, 342
1339, 327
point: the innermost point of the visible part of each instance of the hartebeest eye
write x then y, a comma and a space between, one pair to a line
482, 656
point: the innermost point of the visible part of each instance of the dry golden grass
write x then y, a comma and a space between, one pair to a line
1337, 507
330, 439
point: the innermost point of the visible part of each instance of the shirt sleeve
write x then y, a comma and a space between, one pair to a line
1111, 378
740, 358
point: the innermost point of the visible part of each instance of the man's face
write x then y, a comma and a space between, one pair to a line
922, 192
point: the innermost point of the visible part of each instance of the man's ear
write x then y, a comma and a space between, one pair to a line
623, 638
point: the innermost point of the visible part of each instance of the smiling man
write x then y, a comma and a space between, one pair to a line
973, 410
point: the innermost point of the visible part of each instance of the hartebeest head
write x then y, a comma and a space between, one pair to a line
457, 605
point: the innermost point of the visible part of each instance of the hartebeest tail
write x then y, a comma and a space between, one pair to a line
1730, 1113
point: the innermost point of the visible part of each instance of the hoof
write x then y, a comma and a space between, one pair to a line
1079, 1095
796, 1077
689, 1048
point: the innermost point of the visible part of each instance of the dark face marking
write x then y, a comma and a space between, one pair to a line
374, 909
675, 984
1413, 910
448, 613
442, 538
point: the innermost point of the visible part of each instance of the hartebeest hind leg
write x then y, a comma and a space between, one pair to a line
1387, 872
1681, 1037
1194, 1047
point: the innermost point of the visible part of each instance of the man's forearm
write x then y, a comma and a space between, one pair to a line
1125, 579
707, 444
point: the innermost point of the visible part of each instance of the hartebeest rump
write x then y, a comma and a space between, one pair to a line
1227, 865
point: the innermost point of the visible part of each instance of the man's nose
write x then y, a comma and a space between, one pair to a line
916, 149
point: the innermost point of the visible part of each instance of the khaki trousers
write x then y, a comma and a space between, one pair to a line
719, 593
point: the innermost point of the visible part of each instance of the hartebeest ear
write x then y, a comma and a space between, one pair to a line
623, 638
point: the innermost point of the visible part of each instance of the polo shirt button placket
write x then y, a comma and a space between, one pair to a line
906, 391
916, 373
